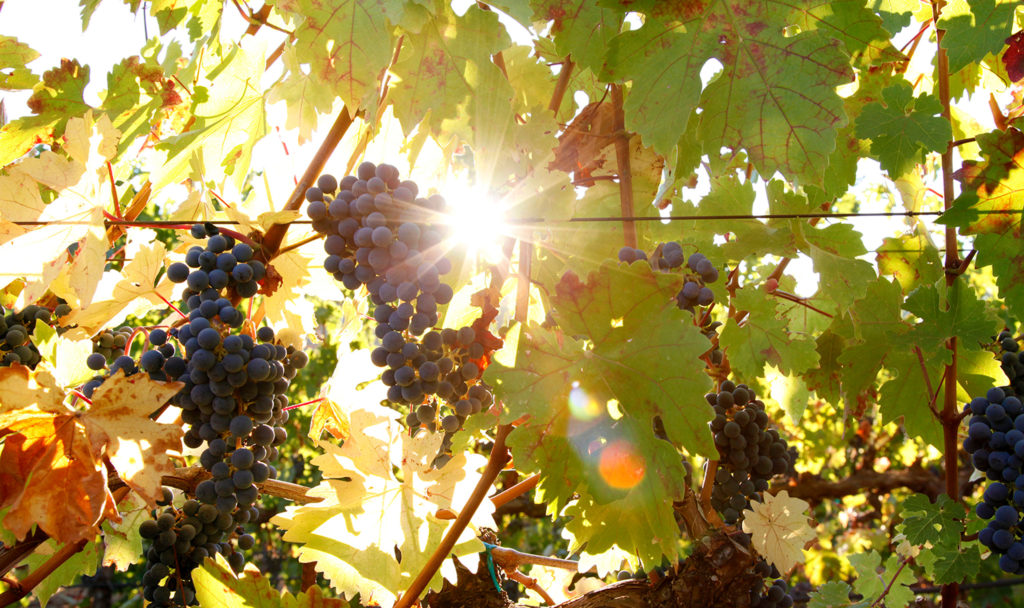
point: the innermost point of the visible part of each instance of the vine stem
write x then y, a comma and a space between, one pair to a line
511, 559
950, 420
275, 234
495, 463
624, 170
885, 591
563, 83
515, 491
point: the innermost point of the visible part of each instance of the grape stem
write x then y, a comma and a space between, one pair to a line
530, 583
515, 491
623, 166
275, 234
495, 463
950, 421
877, 602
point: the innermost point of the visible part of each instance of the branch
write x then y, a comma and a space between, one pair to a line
512, 559
814, 488
187, 478
275, 234
560, 86
516, 491
495, 463
623, 163
531, 583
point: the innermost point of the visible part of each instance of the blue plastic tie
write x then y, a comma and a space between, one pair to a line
490, 565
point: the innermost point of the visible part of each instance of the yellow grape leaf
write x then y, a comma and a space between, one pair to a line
49, 476
119, 290
20, 388
217, 586
285, 308
369, 515
119, 427
328, 416
778, 529
74, 217
122, 543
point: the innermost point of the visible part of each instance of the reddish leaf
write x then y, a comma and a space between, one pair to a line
1013, 57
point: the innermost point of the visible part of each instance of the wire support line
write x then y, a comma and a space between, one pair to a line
539, 221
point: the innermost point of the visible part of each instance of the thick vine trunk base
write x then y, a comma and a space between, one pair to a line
718, 574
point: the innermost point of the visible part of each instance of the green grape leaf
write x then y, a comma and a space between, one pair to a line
380, 498
588, 394
764, 337
229, 121
859, 29
643, 347
871, 580
436, 68
939, 523
834, 594
729, 196
955, 564
895, 14
775, 96
581, 28
902, 128
55, 99
633, 480
13, 57
347, 44
218, 587
911, 259
833, 249
975, 28
967, 317
61, 93
907, 393
84, 562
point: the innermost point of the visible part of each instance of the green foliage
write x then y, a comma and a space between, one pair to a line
601, 373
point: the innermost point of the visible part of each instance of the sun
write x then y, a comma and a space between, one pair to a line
476, 220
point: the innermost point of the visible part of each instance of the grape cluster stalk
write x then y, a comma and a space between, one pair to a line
995, 441
382, 235
749, 452
233, 400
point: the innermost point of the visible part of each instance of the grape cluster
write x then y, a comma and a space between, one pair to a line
222, 268
750, 453
16, 329
110, 343
1011, 362
669, 256
995, 441
233, 400
380, 234
181, 539
776, 596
